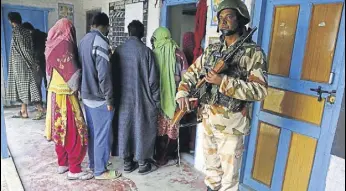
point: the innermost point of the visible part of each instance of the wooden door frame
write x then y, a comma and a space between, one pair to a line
166, 4
4, 148
318, 175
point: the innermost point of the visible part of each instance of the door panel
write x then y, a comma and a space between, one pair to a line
324, 27
290, 129
264, 162
283, 32
299, 164
294, 105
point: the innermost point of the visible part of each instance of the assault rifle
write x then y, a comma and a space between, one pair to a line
219, 66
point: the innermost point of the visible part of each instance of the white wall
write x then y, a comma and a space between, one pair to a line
53, 15
336, 174
80, 8
199, 158
153, 18
153, 15
94, 4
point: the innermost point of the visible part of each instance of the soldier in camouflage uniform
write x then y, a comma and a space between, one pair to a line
227, 97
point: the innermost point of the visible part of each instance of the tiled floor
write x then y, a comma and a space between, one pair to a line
36, 163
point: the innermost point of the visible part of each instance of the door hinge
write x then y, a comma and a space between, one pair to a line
331, 78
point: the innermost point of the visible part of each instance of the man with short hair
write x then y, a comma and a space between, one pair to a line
137, 93
97, 95
23, 71
227, 97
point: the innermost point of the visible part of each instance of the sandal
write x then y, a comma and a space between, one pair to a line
20, 115
108, 175
40, 115
80, 176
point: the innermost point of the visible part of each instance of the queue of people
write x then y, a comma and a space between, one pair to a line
130, 96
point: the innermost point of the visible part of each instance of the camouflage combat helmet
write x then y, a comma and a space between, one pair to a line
238, 5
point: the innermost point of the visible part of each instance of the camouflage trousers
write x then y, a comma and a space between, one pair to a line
223, 147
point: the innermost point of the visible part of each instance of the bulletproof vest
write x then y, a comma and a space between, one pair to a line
210, 94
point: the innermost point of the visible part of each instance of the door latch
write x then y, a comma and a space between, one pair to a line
331, 99
319, 91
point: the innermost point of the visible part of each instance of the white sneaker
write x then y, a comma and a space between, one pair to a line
90, 170
62, 169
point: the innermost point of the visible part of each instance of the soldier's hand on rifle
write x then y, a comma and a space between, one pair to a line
184, 102
213, 78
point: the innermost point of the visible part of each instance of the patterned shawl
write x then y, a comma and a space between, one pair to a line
61, 53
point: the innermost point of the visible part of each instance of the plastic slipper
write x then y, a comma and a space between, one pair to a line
40, 115
109, 175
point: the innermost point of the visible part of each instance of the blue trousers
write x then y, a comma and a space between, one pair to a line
99, 122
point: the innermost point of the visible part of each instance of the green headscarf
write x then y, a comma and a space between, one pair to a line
164, 50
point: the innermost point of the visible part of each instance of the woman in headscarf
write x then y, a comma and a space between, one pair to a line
172, 64
188, 46
65, 123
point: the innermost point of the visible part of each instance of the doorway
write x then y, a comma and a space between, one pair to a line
38, 17
181, 20
179, 17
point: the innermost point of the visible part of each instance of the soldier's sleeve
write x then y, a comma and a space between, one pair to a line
191, 76
255, 88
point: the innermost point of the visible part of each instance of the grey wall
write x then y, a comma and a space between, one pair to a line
175, 19
178, 23
338, 148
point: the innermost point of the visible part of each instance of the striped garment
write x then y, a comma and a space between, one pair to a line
23, 72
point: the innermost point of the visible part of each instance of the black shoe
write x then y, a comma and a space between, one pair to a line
209, 189
147, 168
130, 166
